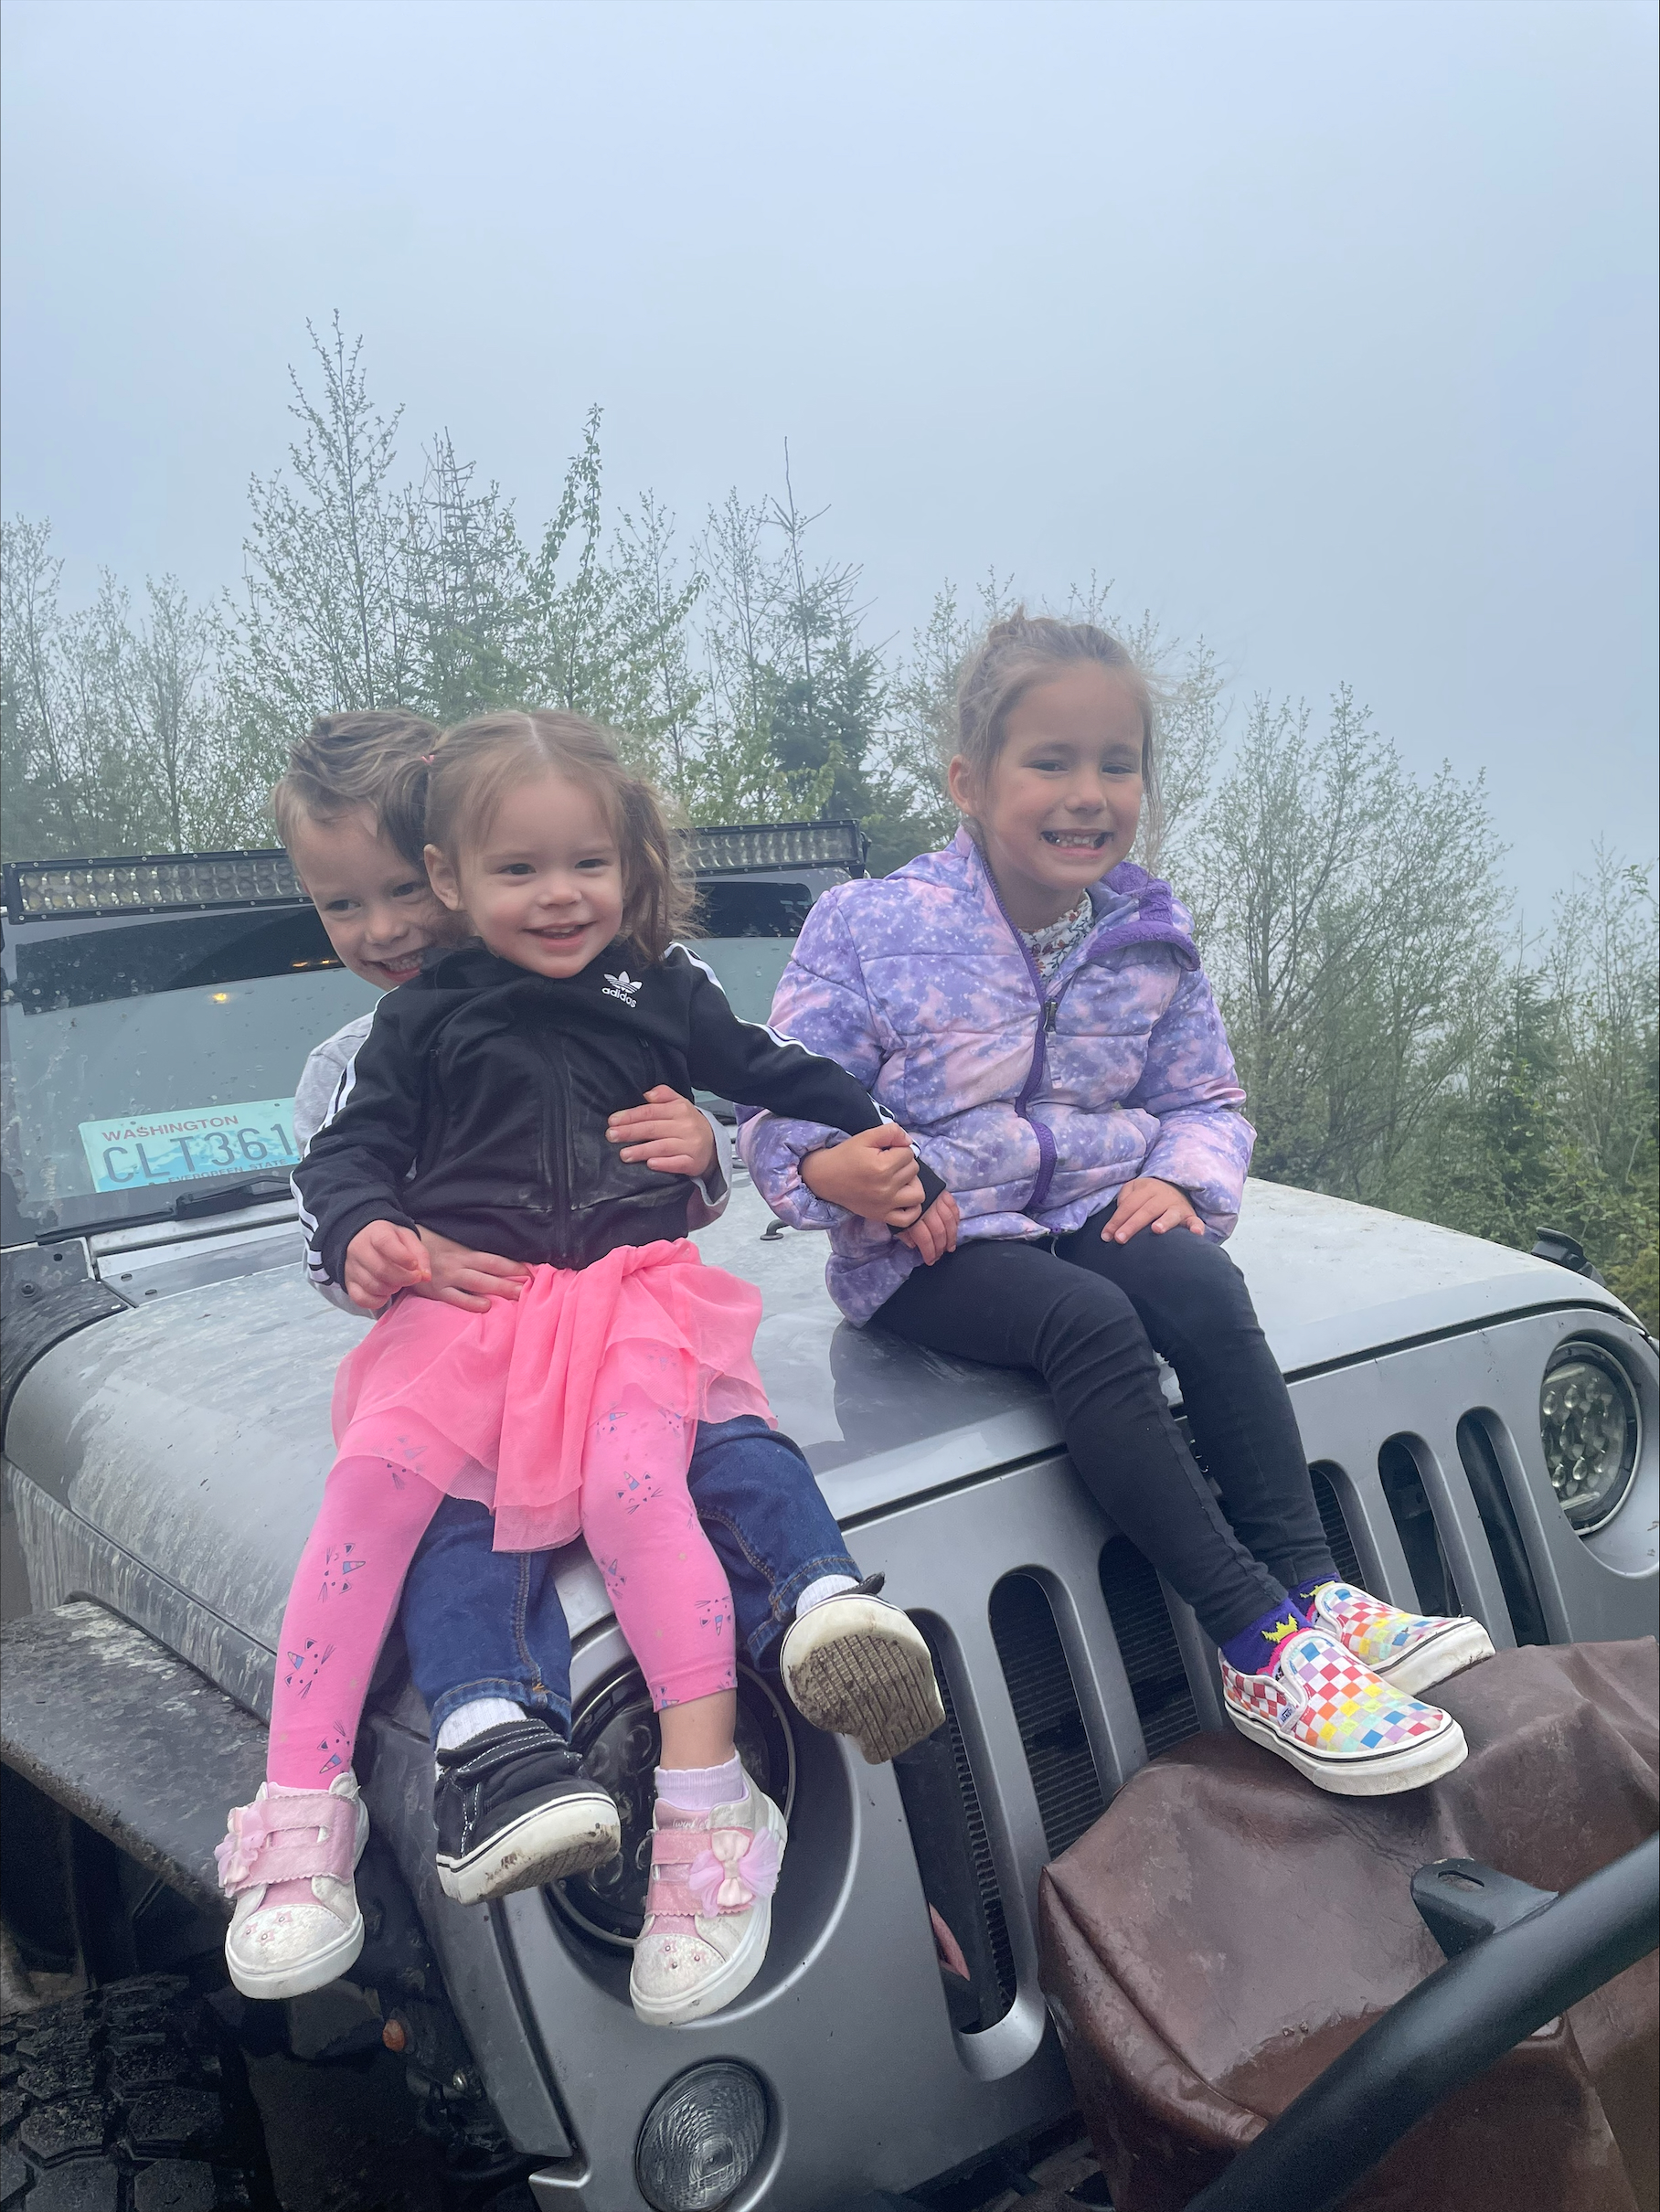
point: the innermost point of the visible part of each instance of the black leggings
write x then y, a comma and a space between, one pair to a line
1089, 1316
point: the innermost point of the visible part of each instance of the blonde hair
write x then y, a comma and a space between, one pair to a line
1025, 649
476, 764
376, 760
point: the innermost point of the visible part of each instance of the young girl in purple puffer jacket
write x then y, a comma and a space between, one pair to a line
1031, 1007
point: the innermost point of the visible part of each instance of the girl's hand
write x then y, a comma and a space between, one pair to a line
381, 1260
873, 1174
466, 1277
1146, 1203
936, 1233
668, 1132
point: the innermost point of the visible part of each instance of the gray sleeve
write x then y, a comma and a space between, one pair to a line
710, 1192
313, 1096
337, 1297
320, 1079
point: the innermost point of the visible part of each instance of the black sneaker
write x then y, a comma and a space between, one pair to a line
515, 1810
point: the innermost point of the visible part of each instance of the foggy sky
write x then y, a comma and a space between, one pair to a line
1328, 330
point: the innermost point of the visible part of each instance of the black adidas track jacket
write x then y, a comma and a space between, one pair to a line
477, 1104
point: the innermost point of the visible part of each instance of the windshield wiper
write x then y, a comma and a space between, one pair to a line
229, 1196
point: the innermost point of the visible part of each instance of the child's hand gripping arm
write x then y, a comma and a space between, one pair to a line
821, 1001
875, 1176
668, 1132
817, 1099
462, 1277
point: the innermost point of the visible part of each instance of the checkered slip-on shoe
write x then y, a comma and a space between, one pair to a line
1338, 1723
1411, 1651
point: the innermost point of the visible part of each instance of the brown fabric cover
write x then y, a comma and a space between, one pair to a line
1225, 1931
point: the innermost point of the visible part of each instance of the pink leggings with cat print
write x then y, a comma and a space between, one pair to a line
667, 1588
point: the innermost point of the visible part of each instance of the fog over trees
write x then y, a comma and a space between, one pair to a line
1402, 1043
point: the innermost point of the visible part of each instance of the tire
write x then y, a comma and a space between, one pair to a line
131, 2099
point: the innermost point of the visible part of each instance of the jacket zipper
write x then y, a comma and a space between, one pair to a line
1045, 1022
556, 1142
1046, 1136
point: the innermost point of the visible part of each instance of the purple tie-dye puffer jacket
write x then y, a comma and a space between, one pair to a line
1032, 1102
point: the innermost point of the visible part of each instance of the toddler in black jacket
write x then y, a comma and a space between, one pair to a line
478, 1106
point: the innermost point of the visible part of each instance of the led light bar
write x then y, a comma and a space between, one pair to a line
163, 883
149, 883
774, 845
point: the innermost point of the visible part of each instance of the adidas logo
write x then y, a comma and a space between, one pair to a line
623, 986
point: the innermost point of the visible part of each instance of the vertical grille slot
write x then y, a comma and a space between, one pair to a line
1503, 1531
1339, 1539
1414, 1518
1050, 1720
955, 1857
1147, 1645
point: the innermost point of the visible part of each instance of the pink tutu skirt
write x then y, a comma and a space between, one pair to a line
501, 1406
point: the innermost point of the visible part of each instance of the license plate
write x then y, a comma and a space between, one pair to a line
126, 1152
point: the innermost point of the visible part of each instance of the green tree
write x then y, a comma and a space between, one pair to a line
164, 697
1600, 969
322, 622
1351, 912
107, 727
750, 641
459, 569
605, 631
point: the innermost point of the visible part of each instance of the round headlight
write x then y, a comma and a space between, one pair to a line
1591, 1429
702, 2138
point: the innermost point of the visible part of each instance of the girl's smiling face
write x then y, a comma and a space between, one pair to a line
1061, 801
543, 887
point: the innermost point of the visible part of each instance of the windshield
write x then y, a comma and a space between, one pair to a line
149, 1057
144, 1060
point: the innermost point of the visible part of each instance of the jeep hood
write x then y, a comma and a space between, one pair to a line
174, 1454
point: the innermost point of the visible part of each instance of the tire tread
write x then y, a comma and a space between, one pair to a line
130, 2099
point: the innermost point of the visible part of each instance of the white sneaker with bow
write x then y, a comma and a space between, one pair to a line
708, 1909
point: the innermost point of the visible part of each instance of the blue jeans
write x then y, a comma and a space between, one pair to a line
483, 1624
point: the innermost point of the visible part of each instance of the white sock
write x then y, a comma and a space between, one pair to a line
474, 1717
701, 1789
827, 1586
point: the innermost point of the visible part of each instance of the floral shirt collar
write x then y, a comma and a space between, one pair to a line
1053, 945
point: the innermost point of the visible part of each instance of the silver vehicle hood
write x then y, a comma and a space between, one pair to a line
174, 1456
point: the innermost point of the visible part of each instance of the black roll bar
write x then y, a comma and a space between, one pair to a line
1458, 2022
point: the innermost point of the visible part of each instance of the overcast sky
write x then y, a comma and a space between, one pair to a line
1328, 330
